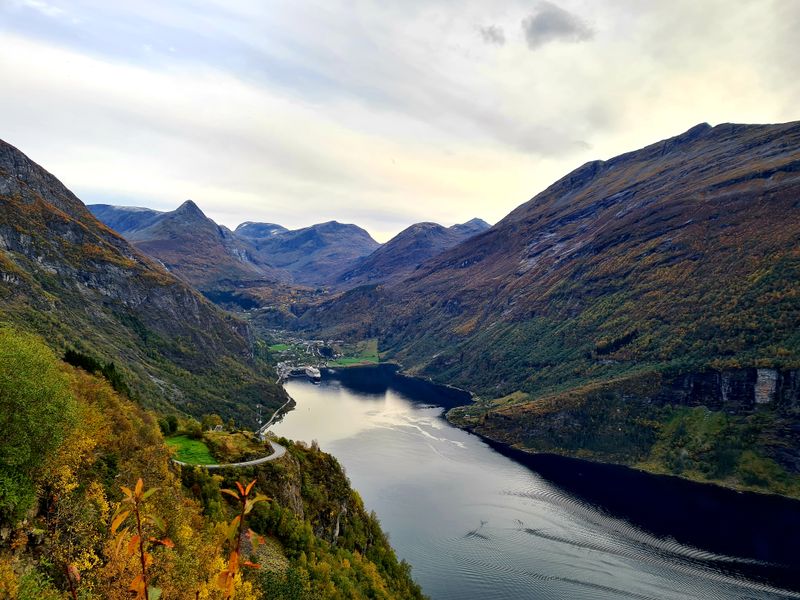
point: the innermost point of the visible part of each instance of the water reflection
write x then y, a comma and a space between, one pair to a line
474, 523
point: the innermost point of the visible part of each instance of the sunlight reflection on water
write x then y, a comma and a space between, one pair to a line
476, 524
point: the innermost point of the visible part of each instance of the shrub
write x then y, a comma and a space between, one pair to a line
36, 411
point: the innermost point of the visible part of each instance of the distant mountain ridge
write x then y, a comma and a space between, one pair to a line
189, 244
250, 230
311, 254
256, 255
72, 279
405, 252
124, 219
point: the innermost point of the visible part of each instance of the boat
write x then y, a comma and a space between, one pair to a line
313, 374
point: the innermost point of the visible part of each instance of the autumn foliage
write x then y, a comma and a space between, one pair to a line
102, 514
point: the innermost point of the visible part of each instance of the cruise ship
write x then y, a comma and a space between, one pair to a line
313, 374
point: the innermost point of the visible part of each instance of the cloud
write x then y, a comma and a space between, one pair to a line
492, 34
44, 8
275, 111
550, 23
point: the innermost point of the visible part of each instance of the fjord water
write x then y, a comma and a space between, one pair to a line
475, 523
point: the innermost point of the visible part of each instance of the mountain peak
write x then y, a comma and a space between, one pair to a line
190, 207
471, 227
254, 230
21, 175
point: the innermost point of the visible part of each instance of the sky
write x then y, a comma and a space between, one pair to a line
382, 113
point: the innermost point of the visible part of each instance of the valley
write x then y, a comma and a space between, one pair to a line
578, 321
399, 301
641, 311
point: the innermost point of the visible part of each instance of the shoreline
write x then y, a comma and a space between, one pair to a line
462, 397
510, 449
525, 456
725, 522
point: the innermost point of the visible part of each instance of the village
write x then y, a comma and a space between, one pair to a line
299, 357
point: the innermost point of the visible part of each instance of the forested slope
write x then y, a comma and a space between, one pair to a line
71, 448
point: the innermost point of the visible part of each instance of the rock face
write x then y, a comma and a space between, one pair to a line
766, 386
313, 255
68, 276
404, 253
735, 391
189, 244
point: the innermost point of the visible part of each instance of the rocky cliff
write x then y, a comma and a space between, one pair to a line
738, 391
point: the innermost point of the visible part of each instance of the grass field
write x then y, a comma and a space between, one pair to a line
365, 352
278, 347
191, 451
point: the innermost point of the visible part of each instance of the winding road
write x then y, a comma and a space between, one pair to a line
279, 451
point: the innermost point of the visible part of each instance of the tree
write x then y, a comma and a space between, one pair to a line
193, 429
211, 421
36, 411
235, 531
132, 508
172, 422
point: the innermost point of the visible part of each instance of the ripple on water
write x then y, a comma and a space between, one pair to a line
477, 525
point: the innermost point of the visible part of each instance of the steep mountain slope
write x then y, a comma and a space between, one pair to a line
69, 277
313, 255
191, 245
401, 255
669, 274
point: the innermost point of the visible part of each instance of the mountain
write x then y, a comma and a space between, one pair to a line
69, 277
255, 231
124, 219
470, 228
405, 252
313, 255
664, 277
185, 241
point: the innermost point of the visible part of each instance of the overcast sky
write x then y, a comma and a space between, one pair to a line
376, 113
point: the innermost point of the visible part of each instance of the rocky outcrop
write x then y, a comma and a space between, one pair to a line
735, 391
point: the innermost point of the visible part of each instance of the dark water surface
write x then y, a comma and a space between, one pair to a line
478, 522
